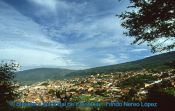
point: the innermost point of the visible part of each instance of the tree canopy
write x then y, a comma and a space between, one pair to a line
7, 86
151, 22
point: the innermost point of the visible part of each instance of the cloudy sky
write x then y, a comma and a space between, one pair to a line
75, 34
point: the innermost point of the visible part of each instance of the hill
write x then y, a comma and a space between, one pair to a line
157, 62
41, 74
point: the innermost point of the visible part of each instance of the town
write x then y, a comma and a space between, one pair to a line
118, 86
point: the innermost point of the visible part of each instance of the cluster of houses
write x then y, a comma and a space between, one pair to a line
105, 86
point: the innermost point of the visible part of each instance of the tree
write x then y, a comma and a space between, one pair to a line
7, 87
151, 22
164, 100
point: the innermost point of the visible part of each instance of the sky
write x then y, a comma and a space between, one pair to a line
73, 34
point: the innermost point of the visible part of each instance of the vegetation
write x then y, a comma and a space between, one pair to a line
151, 22
157, 62
171, 64
138, 80
169, 91
41, 74
7, 87
163, 96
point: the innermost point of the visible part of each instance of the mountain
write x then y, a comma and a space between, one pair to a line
157, 62
41, 74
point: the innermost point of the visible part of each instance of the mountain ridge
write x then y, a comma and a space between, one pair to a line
41, 74
152, 62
